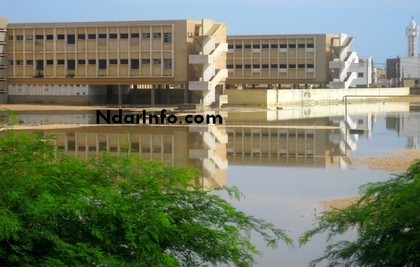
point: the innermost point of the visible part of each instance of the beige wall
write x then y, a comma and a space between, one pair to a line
278, 59
115, 43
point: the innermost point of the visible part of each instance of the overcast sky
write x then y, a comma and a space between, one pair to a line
378, 25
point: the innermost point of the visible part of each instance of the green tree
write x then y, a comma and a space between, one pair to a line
387, 222
61, 211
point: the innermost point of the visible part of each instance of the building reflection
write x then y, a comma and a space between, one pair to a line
318, 142
203, 147
246, 139
407, 126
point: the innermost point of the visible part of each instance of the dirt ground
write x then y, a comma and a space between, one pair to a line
397, 161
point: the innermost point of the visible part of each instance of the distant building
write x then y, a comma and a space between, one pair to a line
405, 68
290, 60
363, 68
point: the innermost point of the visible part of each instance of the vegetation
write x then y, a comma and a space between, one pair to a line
387, 222
61, 211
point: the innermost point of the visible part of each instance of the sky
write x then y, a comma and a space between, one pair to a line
378, 25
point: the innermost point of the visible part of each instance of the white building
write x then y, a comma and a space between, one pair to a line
363, 68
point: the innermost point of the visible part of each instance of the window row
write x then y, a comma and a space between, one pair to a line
257, 46
71, 38
272, 66
102, 63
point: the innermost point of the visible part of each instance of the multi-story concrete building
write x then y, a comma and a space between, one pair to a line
364, 69
180, 61
292, 60
100, 61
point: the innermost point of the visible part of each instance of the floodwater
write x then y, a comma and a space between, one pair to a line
285, 162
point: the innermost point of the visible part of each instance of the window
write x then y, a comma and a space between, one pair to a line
360, 74
247, 46
264, 66
145, 35
102, 64
310, 66
39, 65
50, 37
113, 61
102, 35
256, 46
135, 64
91, 36
135, 35
301, 66
274, 45
157, 35
167, 63
29, 62
301, 45
274, 66
229, 66
292, 66
71, 64
124, 61
238, 47
283, 66
81, 61
247, 66
60, 37
156, 61
18, 62
310, 45
124, 35
265, 46
230, 46
50, 62
238, 66
19, 37
167, 37
39, 37
60, 61
81, 36
113, 36
145, 61
71, 39
10, 37
283, 46
92, 61
292, 45
256, 66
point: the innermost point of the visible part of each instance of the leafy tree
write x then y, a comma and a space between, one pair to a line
61, 211
387, 222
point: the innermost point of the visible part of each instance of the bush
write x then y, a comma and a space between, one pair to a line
387, 221
61, 211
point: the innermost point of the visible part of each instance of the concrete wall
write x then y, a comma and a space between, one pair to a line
255, 97
287, 97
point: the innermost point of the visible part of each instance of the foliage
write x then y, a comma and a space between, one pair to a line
387, 221
61, 211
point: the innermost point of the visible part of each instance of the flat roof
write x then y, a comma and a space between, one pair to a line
97, 23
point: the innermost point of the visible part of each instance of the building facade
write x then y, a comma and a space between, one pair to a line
363, 67
178, 61
290, 60
103, 60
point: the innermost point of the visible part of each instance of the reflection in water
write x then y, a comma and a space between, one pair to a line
311, 142
200, 146
408, 126
319, 142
